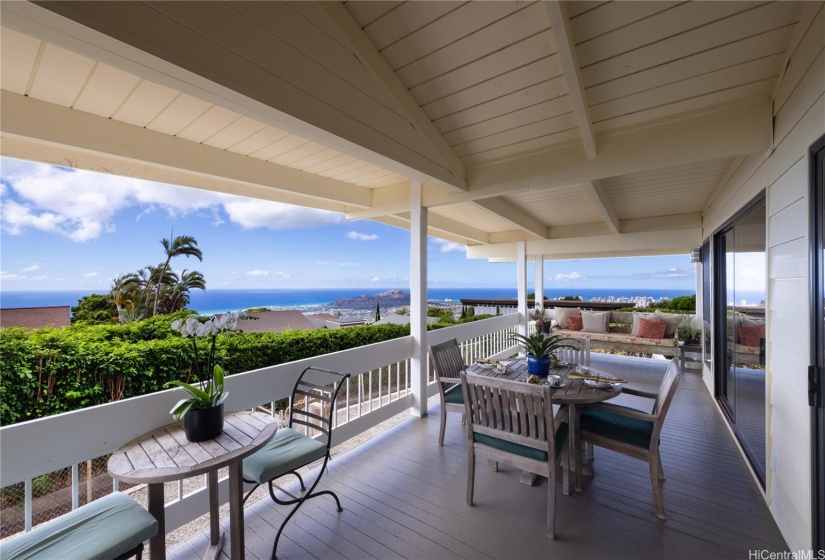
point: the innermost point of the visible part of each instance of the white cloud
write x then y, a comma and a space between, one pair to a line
568, 277
361, 236
89, 274
375, 279
448, 246
11, 276
31, 268
81, 205
250, 214
258, 273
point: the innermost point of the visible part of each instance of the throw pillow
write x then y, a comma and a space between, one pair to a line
562, 313
574, 322
634, 329
750, 335
673, 321
595, 321
650, 328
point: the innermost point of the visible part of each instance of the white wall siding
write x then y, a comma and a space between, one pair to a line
799, 120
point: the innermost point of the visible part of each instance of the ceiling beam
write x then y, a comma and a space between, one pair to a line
440, 226
569, 58
365, 50
724, 131
663, 242
39, 122
520, 219
601, 202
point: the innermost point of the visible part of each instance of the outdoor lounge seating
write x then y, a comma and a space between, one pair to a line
112, 527
447, 363
632, 432
618, 337
311, 409
513, 422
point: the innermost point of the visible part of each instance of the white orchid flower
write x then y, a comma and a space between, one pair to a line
176, 324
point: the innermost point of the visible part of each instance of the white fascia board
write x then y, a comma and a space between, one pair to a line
600, 246
39, 122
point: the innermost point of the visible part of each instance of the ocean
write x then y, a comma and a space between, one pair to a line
219, 301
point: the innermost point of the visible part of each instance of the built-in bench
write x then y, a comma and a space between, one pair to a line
619, 339
110, 528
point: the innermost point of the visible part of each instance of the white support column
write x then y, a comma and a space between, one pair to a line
418, 299
521, 275
539, 281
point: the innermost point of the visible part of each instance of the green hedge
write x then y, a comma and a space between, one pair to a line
49, 371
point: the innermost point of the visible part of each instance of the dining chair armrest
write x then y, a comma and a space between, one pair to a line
639, 392
562, 415
629, 412
453, 380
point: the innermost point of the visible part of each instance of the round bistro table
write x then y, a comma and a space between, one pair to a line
574, 392
165, 455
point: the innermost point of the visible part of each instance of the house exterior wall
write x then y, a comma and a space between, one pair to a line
799, 120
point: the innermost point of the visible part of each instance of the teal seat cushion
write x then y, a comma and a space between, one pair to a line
454, 395
616, 426
104, 529
523, 450
287, 451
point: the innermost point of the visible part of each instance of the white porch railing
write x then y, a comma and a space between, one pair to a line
379, 389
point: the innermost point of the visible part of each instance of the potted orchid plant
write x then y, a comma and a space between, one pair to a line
202, 409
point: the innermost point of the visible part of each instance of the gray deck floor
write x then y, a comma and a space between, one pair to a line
404, 497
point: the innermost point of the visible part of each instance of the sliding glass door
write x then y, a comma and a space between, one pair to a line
816, 374
739, 328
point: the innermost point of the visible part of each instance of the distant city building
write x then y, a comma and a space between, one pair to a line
36, 317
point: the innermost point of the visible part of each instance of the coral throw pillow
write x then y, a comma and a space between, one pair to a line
750, 335
574, 322
649, 328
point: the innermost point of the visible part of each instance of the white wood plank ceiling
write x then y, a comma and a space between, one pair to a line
525, 120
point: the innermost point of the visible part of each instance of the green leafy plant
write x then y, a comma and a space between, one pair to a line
212, 394
539, 345
689, 335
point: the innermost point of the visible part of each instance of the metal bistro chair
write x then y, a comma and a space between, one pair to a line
633, 432
447, 363
512, 422
290, 450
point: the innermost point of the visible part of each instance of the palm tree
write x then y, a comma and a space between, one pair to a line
178, 296
182, 245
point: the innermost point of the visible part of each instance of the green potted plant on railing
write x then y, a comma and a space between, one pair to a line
202, 409
540, 350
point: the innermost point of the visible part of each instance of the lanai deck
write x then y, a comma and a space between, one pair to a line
404, 497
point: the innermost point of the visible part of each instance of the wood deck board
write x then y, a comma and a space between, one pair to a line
404, 497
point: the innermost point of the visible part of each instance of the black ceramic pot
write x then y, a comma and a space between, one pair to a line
203, 424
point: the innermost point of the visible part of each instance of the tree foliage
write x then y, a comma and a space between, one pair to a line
94, 309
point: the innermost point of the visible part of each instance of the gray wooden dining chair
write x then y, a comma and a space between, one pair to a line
633, 432
577, 353
311, 411
447, 364
513, 423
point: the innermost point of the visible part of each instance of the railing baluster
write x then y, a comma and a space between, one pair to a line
369, 408
75, 487
348, 401
360, 390
380, 381
27, 504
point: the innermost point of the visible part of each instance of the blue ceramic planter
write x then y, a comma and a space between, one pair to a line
538, 366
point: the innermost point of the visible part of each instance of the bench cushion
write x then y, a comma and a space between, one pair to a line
619, 338
605, 422
454, 395
523, 450
102, 530
287, 451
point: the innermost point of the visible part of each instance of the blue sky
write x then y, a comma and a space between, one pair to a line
73, 230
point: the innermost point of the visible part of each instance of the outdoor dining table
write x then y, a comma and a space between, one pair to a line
165, 455
573, 392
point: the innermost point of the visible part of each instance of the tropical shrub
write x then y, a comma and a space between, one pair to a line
49, 371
